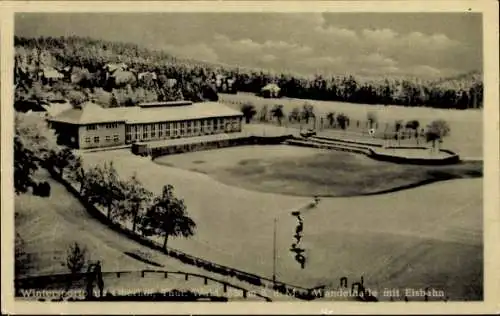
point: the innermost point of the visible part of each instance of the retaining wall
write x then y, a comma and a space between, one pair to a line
347, 141
371, 151
243, 141
452, 159
346, 148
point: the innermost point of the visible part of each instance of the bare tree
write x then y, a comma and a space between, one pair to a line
263, 114
372, 119
249, 111
277, 112
137, 199
76, 257
398, 125
436, 131
342, 121
294, 115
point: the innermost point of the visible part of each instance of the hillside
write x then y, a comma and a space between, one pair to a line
82, 61
463, 81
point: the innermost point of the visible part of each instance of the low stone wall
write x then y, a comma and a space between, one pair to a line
374, 152
347, 141
453, 158
216, 144
346, 148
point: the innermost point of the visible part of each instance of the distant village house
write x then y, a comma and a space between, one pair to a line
270, 90
50, 75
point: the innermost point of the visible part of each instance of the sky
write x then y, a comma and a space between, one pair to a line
426, 45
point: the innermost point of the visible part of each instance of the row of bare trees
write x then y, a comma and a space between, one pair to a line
277, 112
399, 130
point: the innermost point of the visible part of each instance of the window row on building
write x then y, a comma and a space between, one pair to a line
96, 139
93, 127
164, 130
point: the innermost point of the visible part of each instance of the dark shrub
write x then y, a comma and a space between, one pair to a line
189, 260
44, 188
218, 269
204, 264
413, 124
36, 189
254, 281
304, 296
240, 277
342, 121
41, 189
209, 267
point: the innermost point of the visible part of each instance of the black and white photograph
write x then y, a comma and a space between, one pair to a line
248, 157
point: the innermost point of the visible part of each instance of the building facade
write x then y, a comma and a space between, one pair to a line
92, 126
101, 135
184, 128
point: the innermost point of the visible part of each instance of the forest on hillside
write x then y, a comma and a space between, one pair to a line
82, 62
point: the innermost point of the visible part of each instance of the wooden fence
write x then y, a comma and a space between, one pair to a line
78, 280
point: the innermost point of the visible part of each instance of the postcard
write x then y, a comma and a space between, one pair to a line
261, 156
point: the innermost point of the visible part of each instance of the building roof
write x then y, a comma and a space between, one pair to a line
52, 73
137, 115
55, 108
93, 113
147, 73
164, 103
86, 113
112, 67
171, 82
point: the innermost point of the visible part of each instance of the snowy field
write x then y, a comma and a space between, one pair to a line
429, 236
